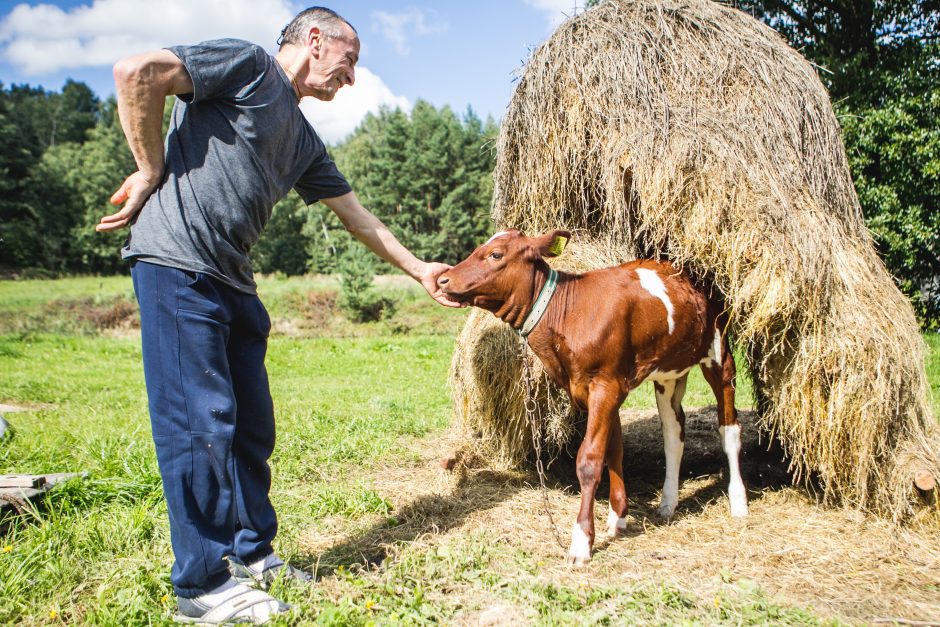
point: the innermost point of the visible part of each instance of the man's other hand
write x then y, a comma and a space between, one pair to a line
134, 192
429, 280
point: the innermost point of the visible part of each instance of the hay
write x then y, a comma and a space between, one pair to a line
846, 567
489, 398
691, 131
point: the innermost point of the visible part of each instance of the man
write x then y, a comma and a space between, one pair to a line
237, 144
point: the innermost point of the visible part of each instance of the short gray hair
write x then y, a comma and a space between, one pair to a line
328, 21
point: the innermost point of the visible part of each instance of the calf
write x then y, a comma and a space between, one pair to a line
600, 335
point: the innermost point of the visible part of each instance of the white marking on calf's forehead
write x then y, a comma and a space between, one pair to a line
651, 282
500, 234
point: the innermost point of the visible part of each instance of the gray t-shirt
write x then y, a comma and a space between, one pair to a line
235, 146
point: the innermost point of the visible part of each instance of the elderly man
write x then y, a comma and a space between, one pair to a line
237, 143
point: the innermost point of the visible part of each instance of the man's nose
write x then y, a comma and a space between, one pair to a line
351, 77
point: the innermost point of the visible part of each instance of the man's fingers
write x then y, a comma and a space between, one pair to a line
450, 303
102, 227
442, 298
123, 214
120, 219
113, 221
119, 196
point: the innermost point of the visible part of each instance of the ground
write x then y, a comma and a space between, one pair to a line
843, 565
364, 420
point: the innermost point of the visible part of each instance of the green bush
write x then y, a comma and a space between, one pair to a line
358, 298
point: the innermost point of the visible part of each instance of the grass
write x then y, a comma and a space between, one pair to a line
352, 402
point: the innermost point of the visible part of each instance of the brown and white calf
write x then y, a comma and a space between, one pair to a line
601, 335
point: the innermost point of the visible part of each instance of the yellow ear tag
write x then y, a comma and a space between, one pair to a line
558, 245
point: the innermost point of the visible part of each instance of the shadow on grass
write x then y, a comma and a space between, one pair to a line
425, 514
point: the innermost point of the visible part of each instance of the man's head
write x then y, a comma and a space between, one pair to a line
329, 45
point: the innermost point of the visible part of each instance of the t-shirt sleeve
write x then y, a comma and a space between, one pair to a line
220, 68
322, 178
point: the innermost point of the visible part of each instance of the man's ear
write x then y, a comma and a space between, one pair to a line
552, 243
314, 37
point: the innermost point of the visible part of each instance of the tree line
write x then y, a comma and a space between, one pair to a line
427, 172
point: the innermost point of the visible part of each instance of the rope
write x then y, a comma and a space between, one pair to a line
533, 415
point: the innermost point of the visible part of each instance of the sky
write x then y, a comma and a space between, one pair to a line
457, 53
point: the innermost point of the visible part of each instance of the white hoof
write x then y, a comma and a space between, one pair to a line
738, 499
615, 524
579, 552
666, 510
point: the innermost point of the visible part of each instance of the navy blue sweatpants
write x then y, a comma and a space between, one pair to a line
212, 419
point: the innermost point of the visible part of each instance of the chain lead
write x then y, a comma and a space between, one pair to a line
533, 415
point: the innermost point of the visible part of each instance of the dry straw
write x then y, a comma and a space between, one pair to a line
690, 130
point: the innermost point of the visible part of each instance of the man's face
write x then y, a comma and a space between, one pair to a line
334, 62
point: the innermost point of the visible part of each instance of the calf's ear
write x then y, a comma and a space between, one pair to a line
552, 243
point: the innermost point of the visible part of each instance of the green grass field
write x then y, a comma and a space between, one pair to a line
351, 400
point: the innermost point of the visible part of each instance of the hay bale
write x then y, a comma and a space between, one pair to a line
486, 375
689, 130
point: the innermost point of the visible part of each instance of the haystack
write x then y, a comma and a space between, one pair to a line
691, 131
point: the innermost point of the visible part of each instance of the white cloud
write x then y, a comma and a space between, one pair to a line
43, 38
338, 118
557, 10
397, 27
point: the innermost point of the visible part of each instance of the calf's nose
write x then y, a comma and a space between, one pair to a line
443, 280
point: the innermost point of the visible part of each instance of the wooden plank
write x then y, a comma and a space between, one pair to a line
16, 496
22, 481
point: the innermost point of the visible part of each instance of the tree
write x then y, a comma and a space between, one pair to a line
103, 163
428, 175
17, 220
284, 247
48, 118
894, 153
40, 134
861, 42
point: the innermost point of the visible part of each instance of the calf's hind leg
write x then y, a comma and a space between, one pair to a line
669, 403
720, 377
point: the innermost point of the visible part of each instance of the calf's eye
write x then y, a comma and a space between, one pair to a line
496, 255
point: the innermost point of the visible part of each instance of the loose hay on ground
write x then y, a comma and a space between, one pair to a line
687, 129
838, 562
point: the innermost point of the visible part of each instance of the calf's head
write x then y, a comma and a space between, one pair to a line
501, 276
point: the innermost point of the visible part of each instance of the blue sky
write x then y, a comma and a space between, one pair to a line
454, 53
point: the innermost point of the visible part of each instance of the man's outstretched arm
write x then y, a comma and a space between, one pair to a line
142, 83
369, 230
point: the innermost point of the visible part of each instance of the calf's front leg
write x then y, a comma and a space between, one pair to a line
603, 401
617, 514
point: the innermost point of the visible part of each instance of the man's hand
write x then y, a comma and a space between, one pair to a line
429, 280
133, 193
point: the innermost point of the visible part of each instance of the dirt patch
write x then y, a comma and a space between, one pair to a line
116, 315
320, 308
838, 562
